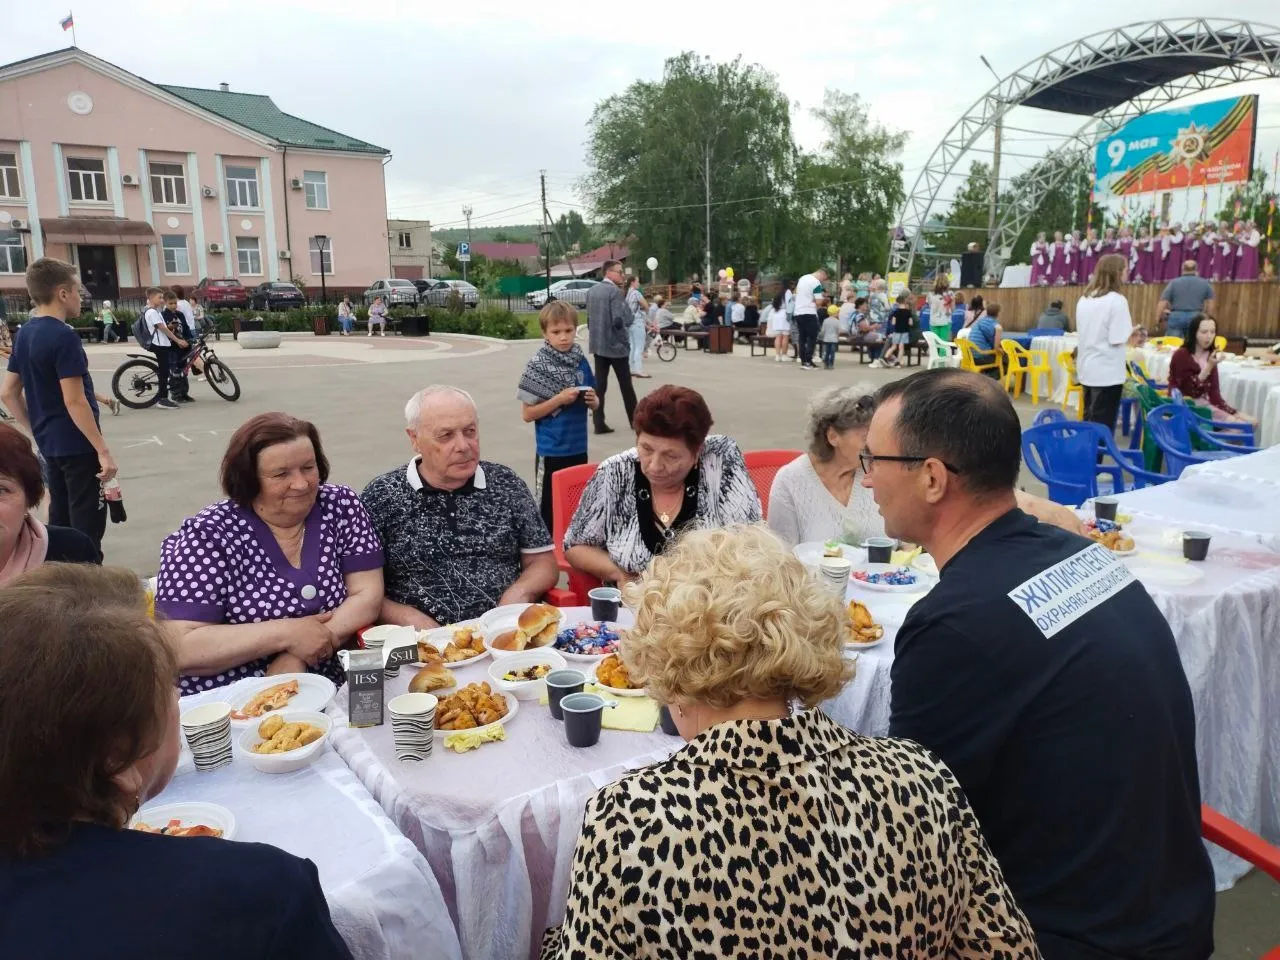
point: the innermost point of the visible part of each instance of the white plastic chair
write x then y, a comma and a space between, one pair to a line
941, 352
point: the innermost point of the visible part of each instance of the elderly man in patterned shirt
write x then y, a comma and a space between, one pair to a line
462, 535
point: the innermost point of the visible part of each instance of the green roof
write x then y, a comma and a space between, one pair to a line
259, 113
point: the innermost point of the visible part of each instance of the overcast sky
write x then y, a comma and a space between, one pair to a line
474, 98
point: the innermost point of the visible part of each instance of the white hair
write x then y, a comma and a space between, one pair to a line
413, 409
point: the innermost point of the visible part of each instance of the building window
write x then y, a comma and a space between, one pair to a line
87, 179
9, 176
242, 186
249, 256
13, 256
168, 184
315, 256
315, 184
175, 254
406, 240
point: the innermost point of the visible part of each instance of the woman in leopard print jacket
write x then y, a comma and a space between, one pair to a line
774, 832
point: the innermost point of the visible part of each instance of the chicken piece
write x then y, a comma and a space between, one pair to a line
270, 726
310, 735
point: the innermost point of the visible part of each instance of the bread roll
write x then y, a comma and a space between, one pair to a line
431, 678
539, 625
510, 640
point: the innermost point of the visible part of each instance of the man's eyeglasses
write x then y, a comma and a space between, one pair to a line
868, 460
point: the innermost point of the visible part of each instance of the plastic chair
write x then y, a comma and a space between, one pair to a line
1067, 360
1228, 431
942, 353
1172, 427
969, 359
1223, 832
1173, 342
763, 467
566, 490
1033, 364
1050, 416
1067, 457
1138, 370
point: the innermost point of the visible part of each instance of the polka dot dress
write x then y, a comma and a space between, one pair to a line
225, 566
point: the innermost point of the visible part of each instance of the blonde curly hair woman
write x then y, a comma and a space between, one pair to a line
774, 830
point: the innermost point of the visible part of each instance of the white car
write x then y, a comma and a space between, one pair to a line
570, 291
393, 291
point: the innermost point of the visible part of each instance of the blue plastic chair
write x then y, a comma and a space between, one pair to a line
1229, 431
1171, 427
1050, 415
1066, 456
1137, 373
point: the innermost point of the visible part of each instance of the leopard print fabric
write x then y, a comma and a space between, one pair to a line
783, 839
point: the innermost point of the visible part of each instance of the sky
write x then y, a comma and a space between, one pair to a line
474, 99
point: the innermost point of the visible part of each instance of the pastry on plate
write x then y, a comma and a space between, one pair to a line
431, 678
537, 627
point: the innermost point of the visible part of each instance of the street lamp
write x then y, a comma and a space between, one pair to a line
321, 242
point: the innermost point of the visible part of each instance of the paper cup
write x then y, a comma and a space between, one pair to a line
560, 684
879, 549
413, 717
1104, 508
583, 717
605, 603
1195, 545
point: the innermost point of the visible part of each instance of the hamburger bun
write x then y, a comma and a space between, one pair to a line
509, 640
537, 617
431, 678
546, 636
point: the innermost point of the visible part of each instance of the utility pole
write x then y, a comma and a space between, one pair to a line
466, 212
706, 180
546, 232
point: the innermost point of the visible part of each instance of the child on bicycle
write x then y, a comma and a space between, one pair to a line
184, 340
556, 390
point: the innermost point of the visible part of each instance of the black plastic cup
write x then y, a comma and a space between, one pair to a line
561, 684
605, 603
1104, 508
583, 717
1195, 545
879, 549
667, 722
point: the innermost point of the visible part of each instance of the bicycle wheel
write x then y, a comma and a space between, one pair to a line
136, 384
666, 350
222, 380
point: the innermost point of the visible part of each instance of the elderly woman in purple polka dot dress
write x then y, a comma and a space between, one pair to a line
275, 578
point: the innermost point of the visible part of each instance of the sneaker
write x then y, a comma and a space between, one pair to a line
876, 365
114, 404
777, 359
166, 404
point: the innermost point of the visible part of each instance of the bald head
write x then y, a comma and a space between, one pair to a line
436, 396
444, 430
1189, 266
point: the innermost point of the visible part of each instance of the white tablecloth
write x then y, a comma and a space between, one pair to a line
1210, 503
1251, 389
498, 825
381, 893
1262, 467
1054, 346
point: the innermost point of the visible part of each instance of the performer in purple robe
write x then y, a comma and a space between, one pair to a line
1124, 247
1204, 255
1173, 262
1108, 242
1247, 253
1089, 256
1039, 261
1057, 260
1143, 262
1224, 265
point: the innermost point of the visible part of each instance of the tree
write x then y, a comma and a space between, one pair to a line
570, 230
1064, 207
658, 151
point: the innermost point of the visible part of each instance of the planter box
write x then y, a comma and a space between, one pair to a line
239, 324
320, 326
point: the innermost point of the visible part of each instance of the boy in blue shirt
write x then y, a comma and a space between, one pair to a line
556, 390
50, 393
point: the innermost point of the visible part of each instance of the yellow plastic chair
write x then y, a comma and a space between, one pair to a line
1031, 364
1068, 364
1172, 342
969, 359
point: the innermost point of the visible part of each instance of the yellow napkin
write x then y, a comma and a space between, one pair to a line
903, 558
639, 714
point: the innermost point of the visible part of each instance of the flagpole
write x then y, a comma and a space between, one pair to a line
72, 15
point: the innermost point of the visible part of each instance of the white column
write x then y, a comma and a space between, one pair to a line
150, 218
231, 265
29, 191
60, 178
124, 266
113, 174
269, 222
197, 216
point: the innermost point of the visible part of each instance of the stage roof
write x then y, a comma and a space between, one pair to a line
1110, 83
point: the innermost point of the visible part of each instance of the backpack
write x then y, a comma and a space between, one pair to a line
141, 332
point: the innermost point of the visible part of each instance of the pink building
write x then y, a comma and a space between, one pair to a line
142, 184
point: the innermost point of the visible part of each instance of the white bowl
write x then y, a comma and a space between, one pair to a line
191, 813
314, 693
499, 615
501, 624
513, 705
524, 689
294, 759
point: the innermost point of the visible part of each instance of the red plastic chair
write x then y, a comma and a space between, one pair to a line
566, 490
763, 466
1230, 836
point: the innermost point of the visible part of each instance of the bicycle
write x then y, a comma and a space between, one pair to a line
663, 347
136, 382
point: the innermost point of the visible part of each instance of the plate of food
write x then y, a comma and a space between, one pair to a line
611, 674
473, 707
291, 691
812, 552
1111, 535
524, 674
889, 578
458, 644
535, 626
864, 632
286, 741
588, 642
193, 819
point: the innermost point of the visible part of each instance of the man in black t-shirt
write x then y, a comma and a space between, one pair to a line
1045, 677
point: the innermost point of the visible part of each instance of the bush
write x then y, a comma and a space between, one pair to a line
485, 322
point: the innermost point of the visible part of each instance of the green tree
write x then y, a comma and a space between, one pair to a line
1063, 207
570, 229
657, 150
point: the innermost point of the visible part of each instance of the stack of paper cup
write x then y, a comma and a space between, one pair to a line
376, 638
208, 732
413, 718
835, 573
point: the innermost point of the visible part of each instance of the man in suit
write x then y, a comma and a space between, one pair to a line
609, 326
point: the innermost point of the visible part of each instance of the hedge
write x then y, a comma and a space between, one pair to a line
486, 321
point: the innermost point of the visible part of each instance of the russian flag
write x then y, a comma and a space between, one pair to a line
67, 23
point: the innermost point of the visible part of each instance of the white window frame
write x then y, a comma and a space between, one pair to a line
314, 254
242, 188
175, 266
13, 253
406, 240
316, 189
10, 181
171, 184
90, 178
246, 253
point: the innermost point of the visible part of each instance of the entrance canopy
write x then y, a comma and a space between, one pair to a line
106, 231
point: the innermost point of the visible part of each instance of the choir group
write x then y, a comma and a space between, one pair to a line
1222, 253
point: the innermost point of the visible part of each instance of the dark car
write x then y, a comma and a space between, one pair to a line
221, 293
437, 295
275, 295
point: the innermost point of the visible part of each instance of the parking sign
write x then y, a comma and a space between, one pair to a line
464, 252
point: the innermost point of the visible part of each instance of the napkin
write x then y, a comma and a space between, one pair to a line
639, 714
903, 558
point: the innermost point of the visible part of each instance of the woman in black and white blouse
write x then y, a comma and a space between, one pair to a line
675, 478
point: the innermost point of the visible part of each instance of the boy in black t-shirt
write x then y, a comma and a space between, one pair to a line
901, 320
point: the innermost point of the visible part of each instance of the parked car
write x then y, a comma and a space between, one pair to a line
220, 294
394, 293
276, 295
438, 293
570, 291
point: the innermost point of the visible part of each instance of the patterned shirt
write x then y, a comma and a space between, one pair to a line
453, 553
225, 566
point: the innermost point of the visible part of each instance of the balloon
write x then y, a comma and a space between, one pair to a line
723, 274
728, 272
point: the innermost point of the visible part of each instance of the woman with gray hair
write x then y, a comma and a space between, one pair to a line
814, 497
